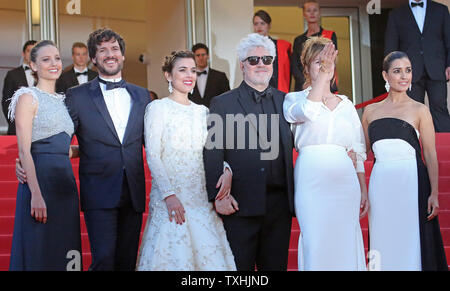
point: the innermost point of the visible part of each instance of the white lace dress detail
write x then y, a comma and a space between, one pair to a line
175, 135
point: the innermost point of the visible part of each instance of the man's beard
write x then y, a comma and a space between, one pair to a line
102, 69
261, 80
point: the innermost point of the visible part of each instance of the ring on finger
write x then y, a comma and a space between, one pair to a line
173, 213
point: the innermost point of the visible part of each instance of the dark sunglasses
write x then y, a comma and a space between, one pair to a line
253, 60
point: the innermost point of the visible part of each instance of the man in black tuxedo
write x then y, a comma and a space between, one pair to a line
421, 28
16, 78
108, 114
257, 215
210, 83
78, 73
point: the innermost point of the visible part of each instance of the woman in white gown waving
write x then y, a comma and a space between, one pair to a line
183, 232
330, 196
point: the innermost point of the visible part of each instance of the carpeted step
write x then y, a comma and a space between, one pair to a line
6, 224
5, 243
7, 207
444, 219
442, 138
444, 168
444, 200
443, 153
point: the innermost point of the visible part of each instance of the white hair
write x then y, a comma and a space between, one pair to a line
253, 41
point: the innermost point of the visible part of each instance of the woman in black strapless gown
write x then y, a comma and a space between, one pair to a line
403, 193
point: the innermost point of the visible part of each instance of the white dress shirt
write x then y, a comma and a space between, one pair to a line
201, 82
81, 78
118, 101
315, 124
29, 75
419, 13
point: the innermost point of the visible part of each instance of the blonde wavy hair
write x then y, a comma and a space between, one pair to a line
311, 49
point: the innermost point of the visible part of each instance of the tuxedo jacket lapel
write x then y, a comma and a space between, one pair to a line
196, 93
428, 16
23, 78
409, 14
132, 119
99, 101
91, 75
209, 83
285, 131
73, 77
247, 105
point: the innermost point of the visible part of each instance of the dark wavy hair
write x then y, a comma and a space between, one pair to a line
169, 61
103, 35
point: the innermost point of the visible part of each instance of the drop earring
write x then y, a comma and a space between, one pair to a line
387, 86
410, 87
170, 87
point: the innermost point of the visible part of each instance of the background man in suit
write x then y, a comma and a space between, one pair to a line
16, 78
108, 114
78, 73
421, 29
210, 83
258, 226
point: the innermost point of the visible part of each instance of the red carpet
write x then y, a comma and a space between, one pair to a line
8, 187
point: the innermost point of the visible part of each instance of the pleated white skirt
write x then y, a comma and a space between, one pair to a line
327, 204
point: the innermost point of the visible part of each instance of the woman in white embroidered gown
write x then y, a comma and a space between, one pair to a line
183, 231
330, 196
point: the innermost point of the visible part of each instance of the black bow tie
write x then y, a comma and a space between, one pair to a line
201, 73
82, 73
113, 85
414, 4
26, 68
259, 95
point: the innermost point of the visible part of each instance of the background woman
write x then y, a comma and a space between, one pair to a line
403, 193
330, 196
311, 14
47, 221
281, 78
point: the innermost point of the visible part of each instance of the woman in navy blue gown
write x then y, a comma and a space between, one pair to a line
47, 221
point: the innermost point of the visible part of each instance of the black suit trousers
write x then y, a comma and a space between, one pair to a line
114, 235
262, 241
437, 96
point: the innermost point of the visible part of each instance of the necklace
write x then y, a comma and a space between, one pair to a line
325, 100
